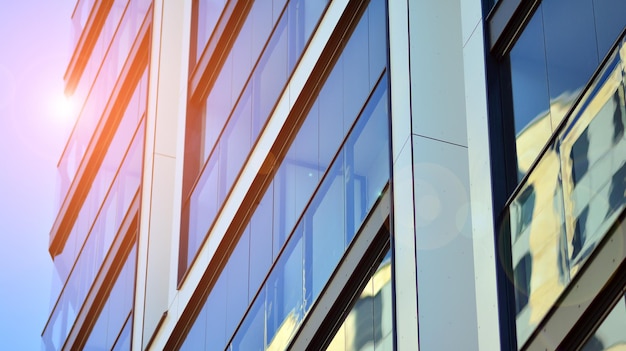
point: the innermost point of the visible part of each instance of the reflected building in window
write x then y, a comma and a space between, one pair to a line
342, 175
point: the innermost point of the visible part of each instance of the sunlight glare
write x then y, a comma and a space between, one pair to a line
63, 108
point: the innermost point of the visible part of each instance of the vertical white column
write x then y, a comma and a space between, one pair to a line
454, 258
161, 187
402, 153
483, 236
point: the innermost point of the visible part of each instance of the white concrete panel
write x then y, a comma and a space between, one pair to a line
471, 17
404, 252
146, 189
399, 75
483, 235
445, 268
437, 89
158, 265
172, 66
405, 279
160, 209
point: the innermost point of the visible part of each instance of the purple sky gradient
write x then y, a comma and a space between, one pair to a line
34, 51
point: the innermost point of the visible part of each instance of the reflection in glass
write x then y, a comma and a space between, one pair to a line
531, 102
569, 201
368, 326
239, 104
552, 61
283, 258
571, 51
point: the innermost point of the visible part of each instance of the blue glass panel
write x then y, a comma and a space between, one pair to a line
237, 271
262, 24
284, 216
609, 21
324, 230
235, 145
368, 156
271, 73
196, 338
123, 341
261, 241
203, 207
216, 314
571, 51
303, 157
284, 294
355, 73
377, 40
251, 334
208, 13
241, 54
531, 101
217, 108
117, 308
331, 115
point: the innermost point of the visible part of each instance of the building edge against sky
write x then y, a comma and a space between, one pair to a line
343, 174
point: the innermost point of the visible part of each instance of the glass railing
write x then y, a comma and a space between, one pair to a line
572, 195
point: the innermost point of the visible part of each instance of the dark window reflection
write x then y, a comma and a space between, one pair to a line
522, 273
571, 51
609, 20
531, 100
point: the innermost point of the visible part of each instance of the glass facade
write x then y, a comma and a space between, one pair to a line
107, 146
228, 121
100, 76
552, 61
332, 174
368, 326
112, 328
569, 113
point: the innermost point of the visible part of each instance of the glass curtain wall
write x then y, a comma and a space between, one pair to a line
552, 61
368, 326
330, 178
225, 124
575, 190
100, 218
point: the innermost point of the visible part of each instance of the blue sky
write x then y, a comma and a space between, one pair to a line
34, 51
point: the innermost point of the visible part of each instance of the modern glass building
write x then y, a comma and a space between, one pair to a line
343, 175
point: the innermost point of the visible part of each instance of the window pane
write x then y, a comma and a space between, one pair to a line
203, 208
237, 271
571, 51
324, 230
609, 20
252, 332
377, 40
216, 315
331, 115
261, 241
235, 146
355, 73
531, 101
369, 158
284, 295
